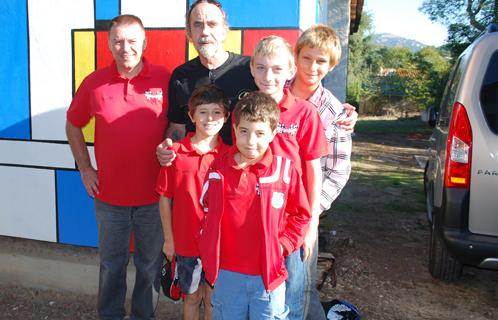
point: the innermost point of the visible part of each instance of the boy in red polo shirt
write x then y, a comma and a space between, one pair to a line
301, 138
180, 187
256, 212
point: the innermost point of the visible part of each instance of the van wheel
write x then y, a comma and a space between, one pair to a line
442, 265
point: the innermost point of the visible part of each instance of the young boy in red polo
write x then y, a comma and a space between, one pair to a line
301, 138
180, 187
256, 212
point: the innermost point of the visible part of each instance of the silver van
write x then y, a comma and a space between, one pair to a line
461, 174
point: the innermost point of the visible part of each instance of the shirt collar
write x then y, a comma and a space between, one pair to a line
288, 100
316, 97
187, 146
264, 163
145, 72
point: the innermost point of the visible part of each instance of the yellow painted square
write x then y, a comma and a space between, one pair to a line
84, 64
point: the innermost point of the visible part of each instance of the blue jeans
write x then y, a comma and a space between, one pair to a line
239, 296
301, 293
294, 293
313, 308
115, 224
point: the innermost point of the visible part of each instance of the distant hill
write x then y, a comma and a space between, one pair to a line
391, 40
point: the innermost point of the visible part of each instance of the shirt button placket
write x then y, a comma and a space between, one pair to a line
129, 91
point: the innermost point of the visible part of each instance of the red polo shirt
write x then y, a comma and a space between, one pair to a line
300, 134
182, 182
241, 224
130, 121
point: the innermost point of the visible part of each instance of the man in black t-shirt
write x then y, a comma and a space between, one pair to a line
207, 28
233, 77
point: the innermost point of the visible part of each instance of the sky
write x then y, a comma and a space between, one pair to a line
402, 18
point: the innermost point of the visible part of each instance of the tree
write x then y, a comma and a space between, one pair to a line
426, 88
397, 57
465, 19
392, 80
359, 66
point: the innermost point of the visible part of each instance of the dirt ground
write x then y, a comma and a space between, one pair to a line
381, 241
377, 233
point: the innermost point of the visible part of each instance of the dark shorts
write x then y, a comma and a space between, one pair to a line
190, 274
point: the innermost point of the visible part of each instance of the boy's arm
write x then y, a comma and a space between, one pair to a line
176, 118
313, 190
165, 210
299, 215
336, 167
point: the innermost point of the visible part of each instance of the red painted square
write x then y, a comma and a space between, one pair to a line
103, 54
164, 47
252, 37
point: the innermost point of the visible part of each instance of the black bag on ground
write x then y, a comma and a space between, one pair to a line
341, 310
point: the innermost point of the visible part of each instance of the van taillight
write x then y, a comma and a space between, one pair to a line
458, 150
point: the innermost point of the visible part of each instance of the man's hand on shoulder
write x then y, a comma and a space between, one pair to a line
164, 154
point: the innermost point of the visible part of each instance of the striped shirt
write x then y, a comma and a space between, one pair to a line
336, 166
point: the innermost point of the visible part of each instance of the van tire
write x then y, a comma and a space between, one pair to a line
442, 265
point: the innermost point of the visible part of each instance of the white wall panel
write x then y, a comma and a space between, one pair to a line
91, 150
157, 13
307, 14
50, 49
28, 207
39, 154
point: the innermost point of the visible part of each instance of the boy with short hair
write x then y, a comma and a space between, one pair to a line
180, 187
301, 138
256, 212
318, 51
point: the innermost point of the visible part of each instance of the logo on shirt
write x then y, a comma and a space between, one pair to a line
242, 94
277, 200
154, 95
291, 130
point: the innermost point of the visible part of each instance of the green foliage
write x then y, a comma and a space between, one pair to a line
396, 58
427, 88
393, 80
361, 46
465, 19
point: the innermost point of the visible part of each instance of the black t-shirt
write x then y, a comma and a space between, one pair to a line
233, 77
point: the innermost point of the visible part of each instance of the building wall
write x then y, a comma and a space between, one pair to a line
49, 47
339, 12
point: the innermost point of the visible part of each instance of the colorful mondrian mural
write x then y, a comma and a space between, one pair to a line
49, 47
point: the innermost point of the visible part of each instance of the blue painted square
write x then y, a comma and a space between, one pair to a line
106, 9
76, 211
262, 13
14, 81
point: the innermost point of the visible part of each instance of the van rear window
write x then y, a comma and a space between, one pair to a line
489, 94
